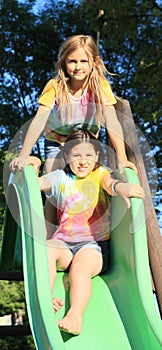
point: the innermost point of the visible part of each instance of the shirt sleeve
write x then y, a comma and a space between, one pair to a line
109, 98
54, 180
47, 97
103, 171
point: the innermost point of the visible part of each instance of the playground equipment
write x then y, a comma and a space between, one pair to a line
121, 314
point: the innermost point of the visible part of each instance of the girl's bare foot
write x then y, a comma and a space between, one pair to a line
71, 323
57, 303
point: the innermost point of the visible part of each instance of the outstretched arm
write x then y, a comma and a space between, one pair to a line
35, 129
125, 190
115, 132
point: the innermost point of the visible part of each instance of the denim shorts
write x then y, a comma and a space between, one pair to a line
102, 247
75, 247
52, 149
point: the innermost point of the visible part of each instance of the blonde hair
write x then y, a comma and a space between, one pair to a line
97, 75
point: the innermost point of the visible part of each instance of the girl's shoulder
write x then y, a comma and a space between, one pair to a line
49, 93
103, 170
100, 172
107, 92
54, 174
105, 82
56, 177
52, 83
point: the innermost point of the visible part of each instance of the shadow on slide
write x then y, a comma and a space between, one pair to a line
121, 314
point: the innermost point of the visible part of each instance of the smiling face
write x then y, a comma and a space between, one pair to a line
78, 65
82, 159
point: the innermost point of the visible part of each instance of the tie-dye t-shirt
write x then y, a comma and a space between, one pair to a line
82, 206
80, 114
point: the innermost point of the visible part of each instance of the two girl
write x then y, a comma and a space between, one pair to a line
78, 97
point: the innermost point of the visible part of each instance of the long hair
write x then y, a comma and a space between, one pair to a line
97, 75
82, 136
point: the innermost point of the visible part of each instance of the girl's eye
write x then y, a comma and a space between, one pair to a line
86, 156
74, 61
75, 155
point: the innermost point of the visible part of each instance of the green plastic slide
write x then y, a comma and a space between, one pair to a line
122, 314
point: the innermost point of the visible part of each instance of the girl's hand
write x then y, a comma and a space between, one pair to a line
127, 190
18, 163
127, 164
35, 162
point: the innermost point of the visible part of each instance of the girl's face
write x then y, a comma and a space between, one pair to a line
82, 159
78, 65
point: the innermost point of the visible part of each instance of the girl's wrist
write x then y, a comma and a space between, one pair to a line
23, 155
122, 158
114, 184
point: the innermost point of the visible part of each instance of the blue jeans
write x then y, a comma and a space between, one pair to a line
52, 149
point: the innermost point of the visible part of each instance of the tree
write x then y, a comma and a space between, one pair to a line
129, 43
128, 34
13, 297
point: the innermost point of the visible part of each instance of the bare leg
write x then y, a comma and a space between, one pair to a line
59, 256
86, 264
57, 302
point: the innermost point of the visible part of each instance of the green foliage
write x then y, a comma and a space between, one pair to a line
12, 297
2, 198
17, 343
129, 38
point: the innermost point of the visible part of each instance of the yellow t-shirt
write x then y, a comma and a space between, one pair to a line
82, 113
49, 94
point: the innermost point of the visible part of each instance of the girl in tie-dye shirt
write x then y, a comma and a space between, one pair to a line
81, 242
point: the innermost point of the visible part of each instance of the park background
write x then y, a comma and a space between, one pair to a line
128, 33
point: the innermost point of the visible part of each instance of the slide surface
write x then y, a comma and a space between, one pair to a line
121, 314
